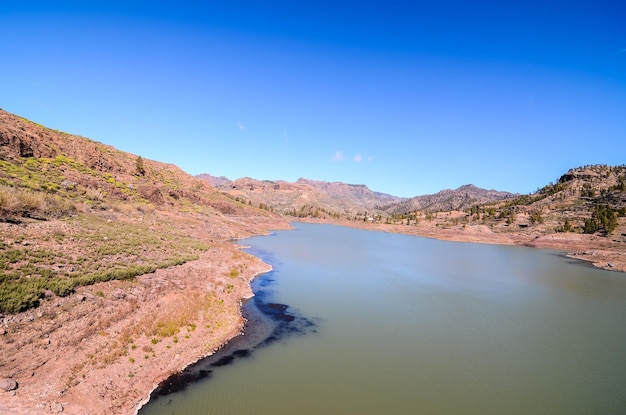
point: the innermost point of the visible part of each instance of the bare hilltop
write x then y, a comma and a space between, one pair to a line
118, 271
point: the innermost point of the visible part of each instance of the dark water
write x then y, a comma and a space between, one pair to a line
358, 322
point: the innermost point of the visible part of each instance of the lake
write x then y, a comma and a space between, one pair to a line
359, 322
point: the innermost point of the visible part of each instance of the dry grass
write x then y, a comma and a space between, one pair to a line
83, 251
15, 203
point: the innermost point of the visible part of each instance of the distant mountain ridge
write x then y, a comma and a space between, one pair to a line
461, 198
305, 197
214, 180
358, 194
347, 199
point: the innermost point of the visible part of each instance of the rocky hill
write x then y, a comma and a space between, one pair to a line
446, 200
47, 174
583, 213
96, 175
306, 198
353, 194
589, 199
106, 258
214, 180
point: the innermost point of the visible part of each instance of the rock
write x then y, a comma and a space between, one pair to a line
48, 294
7, 385
118, 294
2, 331
80, 297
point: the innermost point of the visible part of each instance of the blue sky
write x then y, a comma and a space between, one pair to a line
408, 98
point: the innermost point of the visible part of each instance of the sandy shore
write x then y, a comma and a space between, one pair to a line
105, 348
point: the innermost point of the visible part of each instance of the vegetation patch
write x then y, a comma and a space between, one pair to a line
91, 250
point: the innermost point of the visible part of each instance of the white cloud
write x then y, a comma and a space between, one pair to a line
358, 158
241, 126
338, 156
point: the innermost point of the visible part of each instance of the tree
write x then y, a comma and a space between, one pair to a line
535, 217
140, 167
591, 225
603, 218
607, 218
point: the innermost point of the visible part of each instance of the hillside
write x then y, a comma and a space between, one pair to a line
589, 199
47, 174
446, 200
355, 194
213, 180
307, 198
75, 168
107, 258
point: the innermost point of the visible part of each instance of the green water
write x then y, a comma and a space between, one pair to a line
407, 325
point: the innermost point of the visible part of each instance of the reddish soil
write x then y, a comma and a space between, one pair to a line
104, 348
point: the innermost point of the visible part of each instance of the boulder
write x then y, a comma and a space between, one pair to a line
7, 385
118, 294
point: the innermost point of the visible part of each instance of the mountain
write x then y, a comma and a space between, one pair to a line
307, 198
213, 180
355, 194
462, 198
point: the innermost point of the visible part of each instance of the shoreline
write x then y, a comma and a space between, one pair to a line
58, 370
468, 239
600, 252
238, 332
105, 348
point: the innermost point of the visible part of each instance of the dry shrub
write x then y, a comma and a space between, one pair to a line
126, 209
94, 194
169, 319
26, 203
145, 208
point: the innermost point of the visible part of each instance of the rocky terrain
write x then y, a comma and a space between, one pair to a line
118, 271
305, 197
213, 180
462, 198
